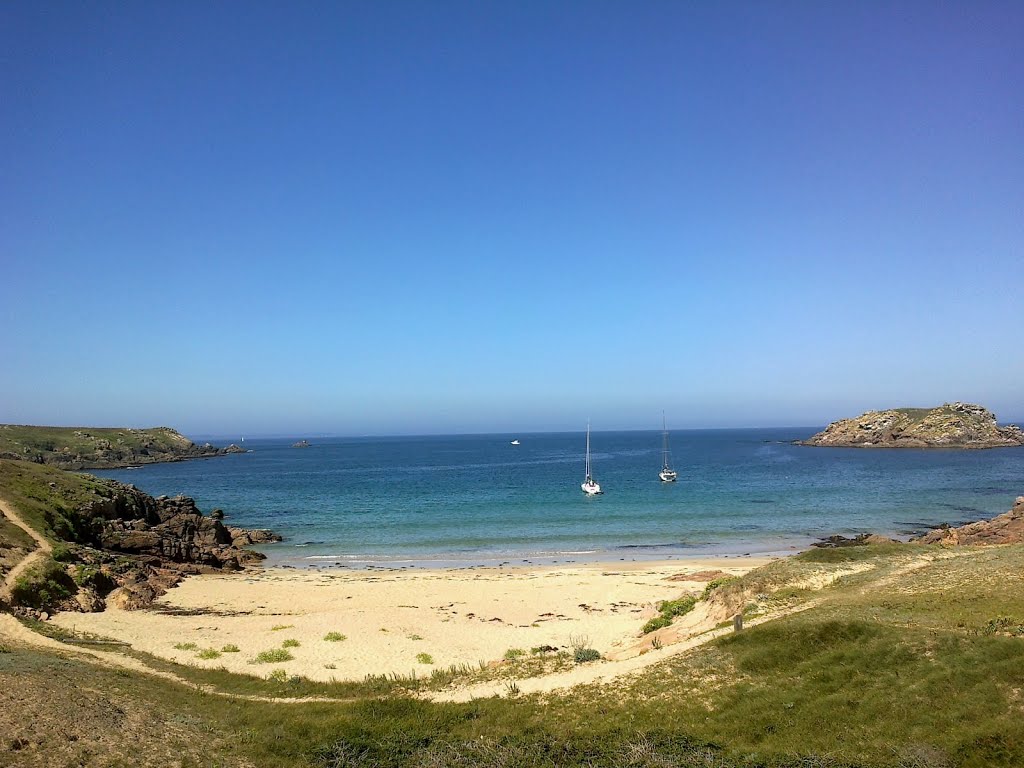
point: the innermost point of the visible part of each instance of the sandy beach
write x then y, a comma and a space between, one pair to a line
389, 618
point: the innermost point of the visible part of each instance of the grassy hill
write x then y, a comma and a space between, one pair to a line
98, 448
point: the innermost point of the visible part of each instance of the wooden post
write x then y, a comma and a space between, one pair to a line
737, 622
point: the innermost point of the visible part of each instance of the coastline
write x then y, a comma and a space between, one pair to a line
460, 616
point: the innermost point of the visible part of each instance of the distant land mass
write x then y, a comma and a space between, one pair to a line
101, 448
951, 425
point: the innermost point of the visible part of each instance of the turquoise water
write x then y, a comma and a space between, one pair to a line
475, 499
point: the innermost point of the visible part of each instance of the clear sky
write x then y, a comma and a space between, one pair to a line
407, 217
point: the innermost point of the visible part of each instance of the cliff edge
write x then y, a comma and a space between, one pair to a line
952, 425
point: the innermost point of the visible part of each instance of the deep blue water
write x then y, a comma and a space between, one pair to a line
476, 498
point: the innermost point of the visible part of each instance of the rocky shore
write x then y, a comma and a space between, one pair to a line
1007, 528
120, 546
952, 425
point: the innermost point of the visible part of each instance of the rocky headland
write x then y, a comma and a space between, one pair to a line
952, 425
101, 448
112, 544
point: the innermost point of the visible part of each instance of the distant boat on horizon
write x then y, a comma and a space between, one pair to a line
667, 474
589, 485
515, 442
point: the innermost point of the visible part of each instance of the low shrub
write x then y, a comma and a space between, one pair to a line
230, 648
272, 656
514, 653
583, 655
291, 642
44, 587
208, 653
424, 658
335, 637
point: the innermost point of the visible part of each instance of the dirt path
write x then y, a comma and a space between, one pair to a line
43, 549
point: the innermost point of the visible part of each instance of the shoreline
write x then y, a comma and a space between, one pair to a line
390, 618
278, 557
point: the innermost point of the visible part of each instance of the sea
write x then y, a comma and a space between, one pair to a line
478, 500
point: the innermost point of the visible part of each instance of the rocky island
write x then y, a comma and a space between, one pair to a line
952, 425
101, 448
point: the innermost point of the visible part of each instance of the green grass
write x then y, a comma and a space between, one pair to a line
335, 637
186, 646
51, 510
424, 658
290, 643
209, 653
514, 653
230, 648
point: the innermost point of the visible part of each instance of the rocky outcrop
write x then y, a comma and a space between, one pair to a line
1007, 528
173, 530
126, 548
860, 540
101, 448
953, 425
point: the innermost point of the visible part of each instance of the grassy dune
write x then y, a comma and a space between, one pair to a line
913, 656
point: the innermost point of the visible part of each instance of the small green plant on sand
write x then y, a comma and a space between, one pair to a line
291, 642
278, 676
424, 658
514, 653
279, 627
271, 656
230, 648
415, 637
334, 637
208, 653
186, 646
583, 655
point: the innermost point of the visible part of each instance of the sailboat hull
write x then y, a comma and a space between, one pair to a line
668, 476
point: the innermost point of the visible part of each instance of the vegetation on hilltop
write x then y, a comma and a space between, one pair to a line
100, 448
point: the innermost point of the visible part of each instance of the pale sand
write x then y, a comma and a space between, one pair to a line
464, 616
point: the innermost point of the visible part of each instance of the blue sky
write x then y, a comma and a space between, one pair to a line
407, 217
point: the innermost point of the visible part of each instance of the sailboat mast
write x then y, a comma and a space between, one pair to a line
664, 441
588, 450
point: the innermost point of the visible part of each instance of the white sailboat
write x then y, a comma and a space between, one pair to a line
667, 474
589, 486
